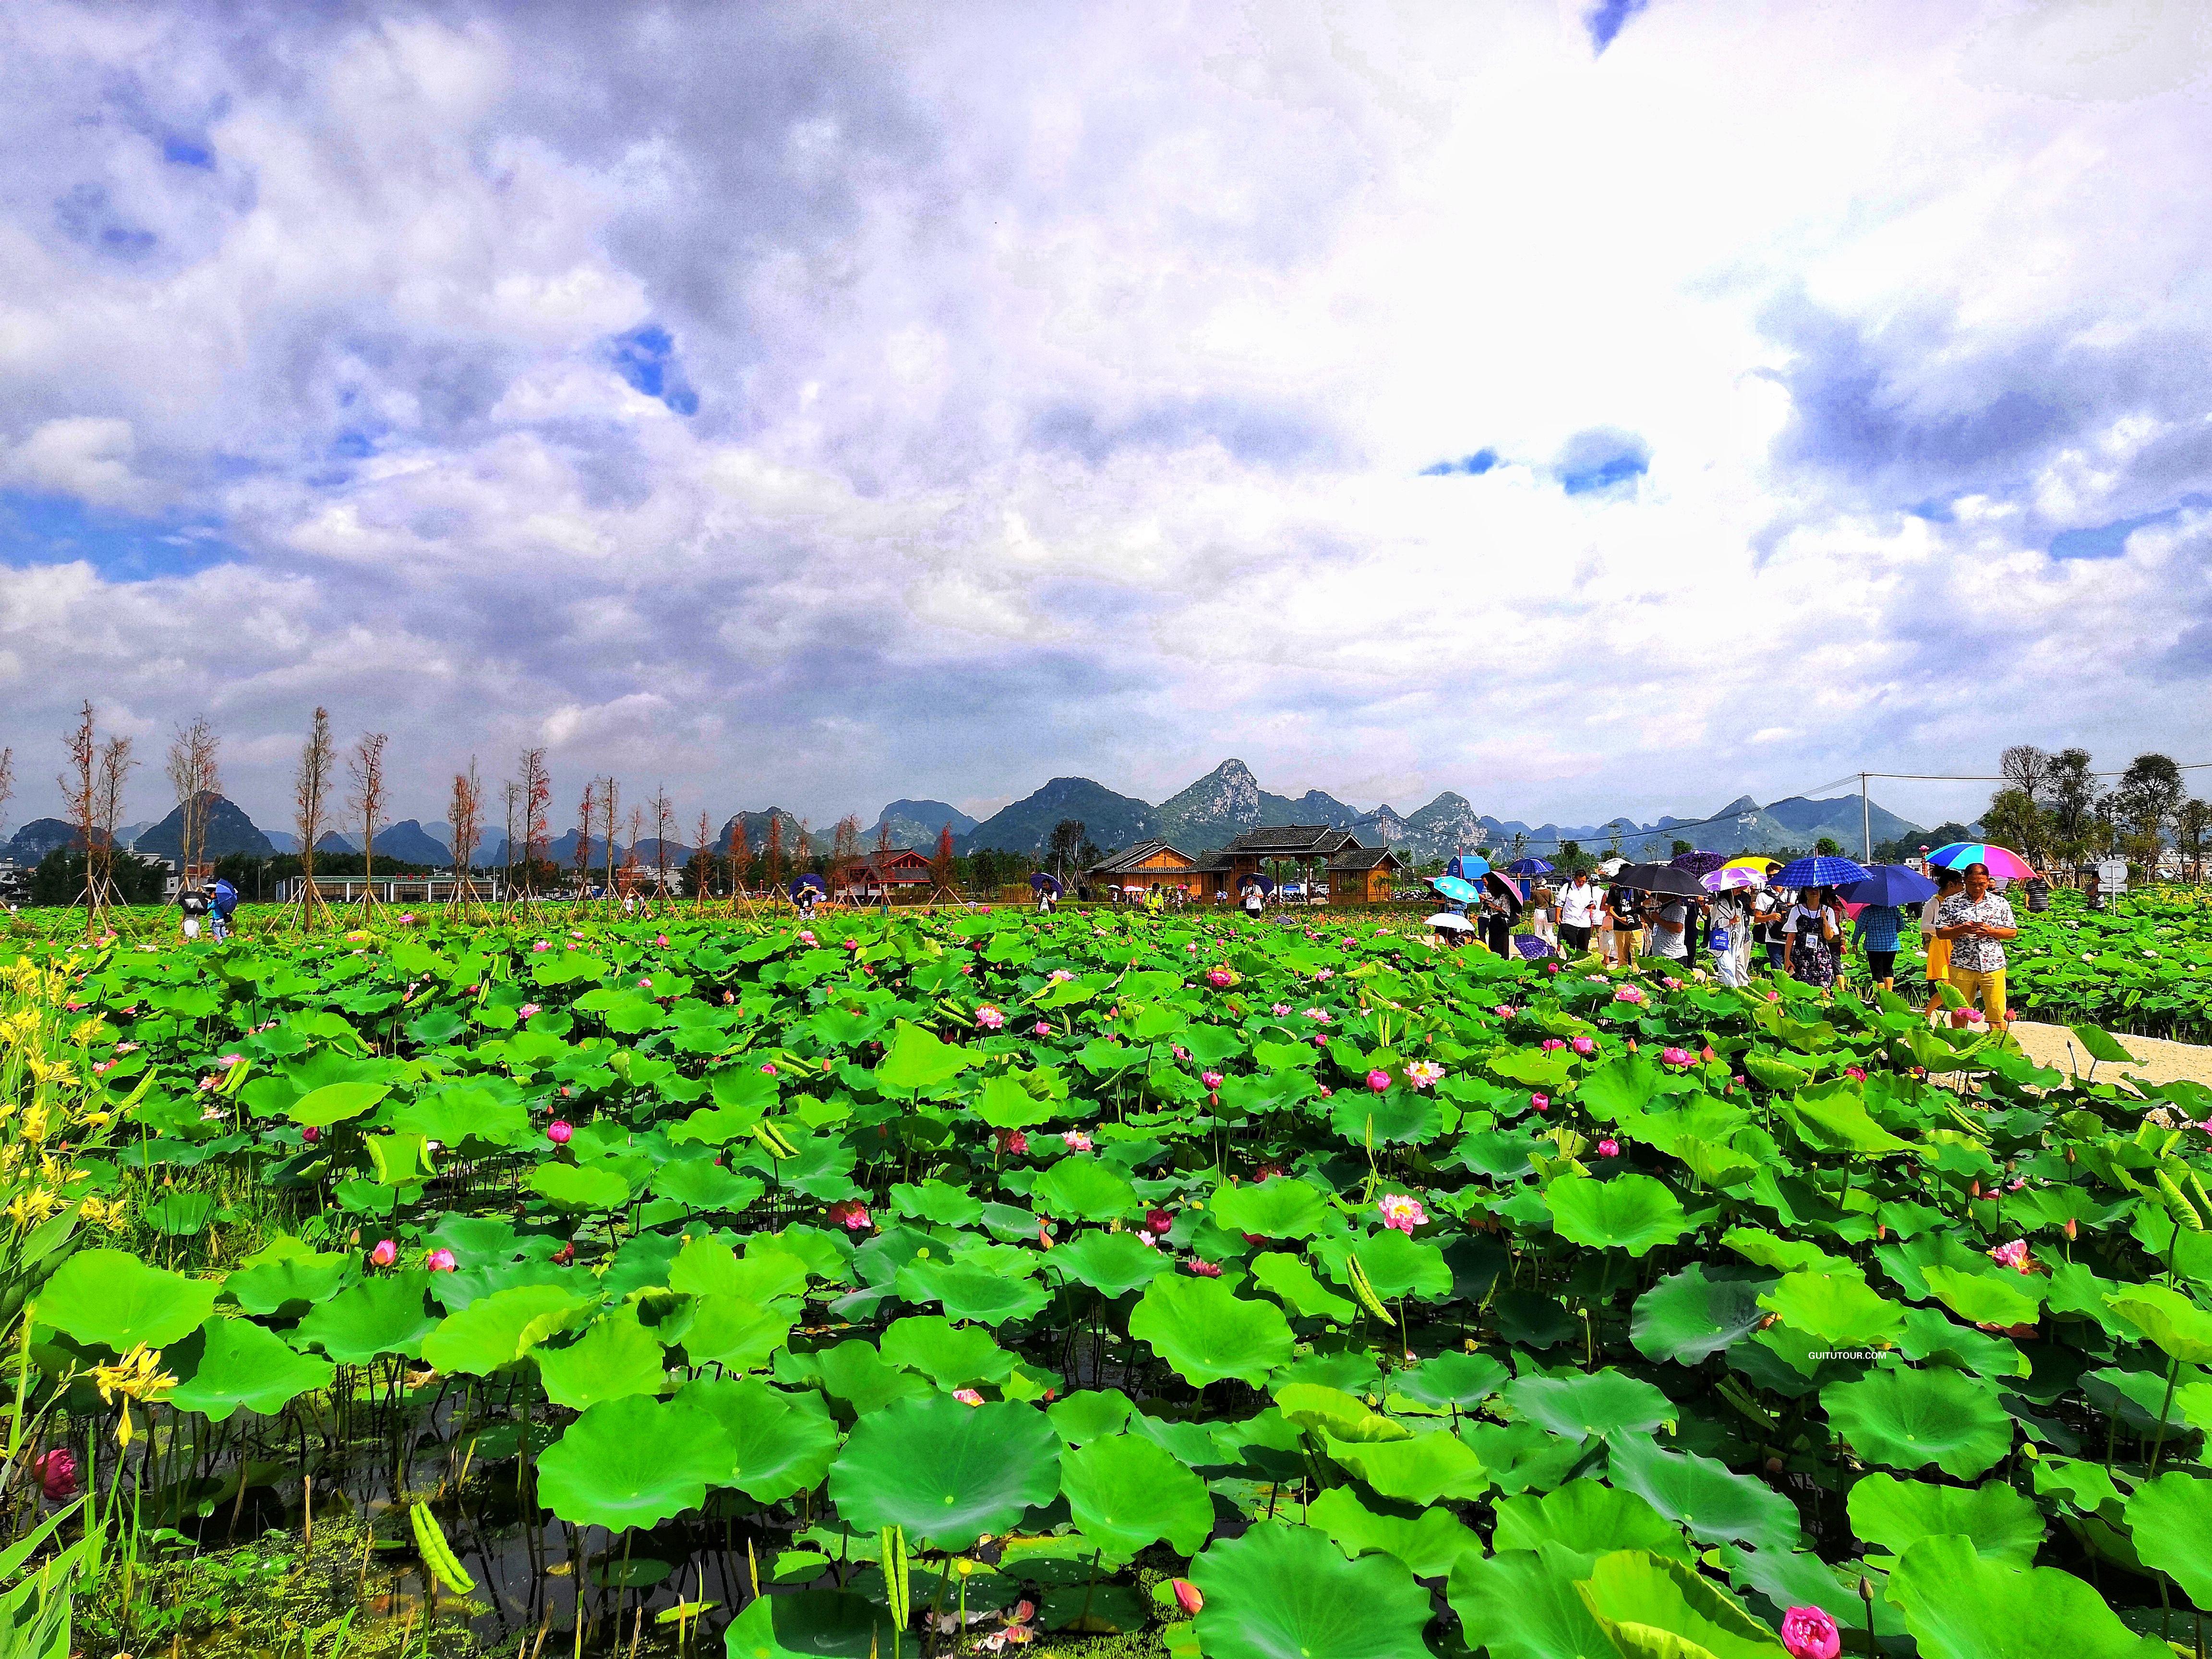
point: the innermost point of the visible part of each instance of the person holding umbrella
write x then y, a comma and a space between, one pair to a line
1887, 888
1500, 906
1977, 922
1948, 882
1809, 936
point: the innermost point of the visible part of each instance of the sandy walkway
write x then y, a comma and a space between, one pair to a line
2161, 1062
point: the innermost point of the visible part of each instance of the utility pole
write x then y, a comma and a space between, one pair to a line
1866, 819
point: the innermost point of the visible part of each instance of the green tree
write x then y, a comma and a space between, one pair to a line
2013, 819
2073, 794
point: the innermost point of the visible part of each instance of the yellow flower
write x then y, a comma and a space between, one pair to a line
137, 1376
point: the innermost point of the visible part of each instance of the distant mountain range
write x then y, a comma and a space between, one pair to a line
1208, 814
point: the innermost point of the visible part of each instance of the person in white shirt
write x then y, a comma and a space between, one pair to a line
1581, 908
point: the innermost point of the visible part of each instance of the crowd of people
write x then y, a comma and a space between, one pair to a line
1808, 934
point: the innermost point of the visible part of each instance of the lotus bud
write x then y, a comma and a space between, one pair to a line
2070, 1229
311, 1134
384, 1255
56, 1472
559, 1131
441, 1261
1188, 1598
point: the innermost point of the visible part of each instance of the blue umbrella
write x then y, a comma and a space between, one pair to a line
1888, 883
810, 879
1265, 884
1040, 881
1819, 871
1458, 891
1528, 867
1468, 866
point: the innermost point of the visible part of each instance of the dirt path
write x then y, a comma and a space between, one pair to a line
2161, 1061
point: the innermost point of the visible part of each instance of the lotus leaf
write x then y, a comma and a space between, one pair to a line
570, 1187
1602, 1403
386, 1315
1981, 1298
1894, 1515
1205, 1331
1696, 1312
1960, 1605
952, 1357
1840, 1311
2168, 1318
1281, 1592
735, 1333
946, 1471
1112, 1264
242, 1364
495, 1331
113, 1298
615, 1357
1084, 1189
1451, 1379
1420, 1470
1911, 1418
1589, 1519
1631, 1212
1429, 1543
1657, 1608
971, 1291
783, 1442
1703, 1495
1128, 1493
1281, 1208
634, 1462
1520, 1605
2170, 1521
811, 1624
1290, 1281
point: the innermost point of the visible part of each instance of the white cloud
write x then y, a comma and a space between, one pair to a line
1064, 378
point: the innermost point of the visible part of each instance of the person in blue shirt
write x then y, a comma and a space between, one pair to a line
1878, 928
222, 901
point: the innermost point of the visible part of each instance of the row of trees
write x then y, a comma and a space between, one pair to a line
2057, 806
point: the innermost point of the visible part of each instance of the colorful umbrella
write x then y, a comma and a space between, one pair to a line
1700, 863
1819, 871
1528, 867
1758, 861
1040, 881
1889, 883
1732, 876
1458, 891
2000, 861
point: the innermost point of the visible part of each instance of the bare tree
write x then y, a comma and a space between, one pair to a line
663, 821
537, 800
629, 852
79, 779
512, 793
703, 860
585, 811
366, 767
2027, 769
772, 866
7, 782
609, 805
844, 851
194, 774
738, 848
115, 765
311, 806
465, 814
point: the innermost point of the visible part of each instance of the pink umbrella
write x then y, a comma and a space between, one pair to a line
2001, 861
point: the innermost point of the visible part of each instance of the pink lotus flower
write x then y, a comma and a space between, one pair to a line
384, 1255
1774, 996
229, 1060
1327, 1093
528, 1011
1425, 1073
646, 984
441, 1261
1203, 1268
1279, 1009
1672, 984
850, 1214
1504, 1011
311, 1134
1551, 1045
1856, 1073
661, 939
102, 1067
1810, 1633
967, 1396
56, 1472
989, 1017
1014, 1142
566, 1254
1076, 1141
2014, 1254
1158, 1221
1325, 973
1060, 976
1541, 1102
1378, 1080
1211, 1079
406, 918
1608, 1147
1629, 993
558, 1131
1179, 1052
1188, 1598
768, 1066
1584, 1047
1220, 978
806, 936
1041, 1029
1673, 1056
1403, 1212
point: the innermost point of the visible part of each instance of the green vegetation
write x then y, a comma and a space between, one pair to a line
931, 1283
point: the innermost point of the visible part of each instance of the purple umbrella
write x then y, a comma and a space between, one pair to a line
1698, 863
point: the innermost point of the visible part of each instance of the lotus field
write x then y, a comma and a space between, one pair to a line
953, 1284
2144, 965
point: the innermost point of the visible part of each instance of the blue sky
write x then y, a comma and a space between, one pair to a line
1586, 405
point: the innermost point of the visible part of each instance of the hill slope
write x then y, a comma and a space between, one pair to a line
1025, 826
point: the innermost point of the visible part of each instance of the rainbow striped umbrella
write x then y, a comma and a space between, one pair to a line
2002, 860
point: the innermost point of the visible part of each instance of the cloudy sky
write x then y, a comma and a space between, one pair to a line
1584, 407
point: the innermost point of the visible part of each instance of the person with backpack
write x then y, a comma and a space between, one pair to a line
194, 904
223, 904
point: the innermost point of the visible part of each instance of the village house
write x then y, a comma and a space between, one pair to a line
1314, 854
